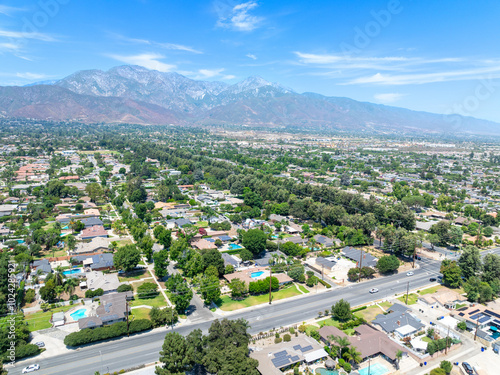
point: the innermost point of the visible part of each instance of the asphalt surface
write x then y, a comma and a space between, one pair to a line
125, 353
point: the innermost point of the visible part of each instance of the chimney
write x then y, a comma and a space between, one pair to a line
398, 323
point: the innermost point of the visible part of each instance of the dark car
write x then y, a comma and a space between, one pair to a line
432, 279
468, 368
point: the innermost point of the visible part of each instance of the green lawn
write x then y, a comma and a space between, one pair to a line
426, 339
310, 328
158, 301
228, 304
41, 320
140, 313
134, 276
124, 242
302, 288
329, 322
434, 289
202, 224
412, 298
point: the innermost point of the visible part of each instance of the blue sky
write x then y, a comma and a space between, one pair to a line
437, 56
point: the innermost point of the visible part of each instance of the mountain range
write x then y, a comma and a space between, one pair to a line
133, 94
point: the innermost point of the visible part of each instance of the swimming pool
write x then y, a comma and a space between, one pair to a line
72, 271
233, 246
254, 275
375, 369
324, 371
79, 314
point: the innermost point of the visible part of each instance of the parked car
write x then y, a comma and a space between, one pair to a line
468, 368
409, 273
40, 344
419, 257
432, 279
31, 368
373, 290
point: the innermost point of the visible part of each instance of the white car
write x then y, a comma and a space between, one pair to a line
410, 274
31, 368
373, 290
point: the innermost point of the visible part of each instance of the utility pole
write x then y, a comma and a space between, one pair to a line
447, 336
414, 256
270, 283
126, 307
477, 327
360, 261
407, 291
322, 272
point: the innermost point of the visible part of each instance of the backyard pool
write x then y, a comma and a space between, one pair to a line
375, 369
72, 271
254, 275
324, 371
233, 246
79, 314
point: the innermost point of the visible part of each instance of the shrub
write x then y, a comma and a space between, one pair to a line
325, 283
94, 293
315, 335
347, 367
287, 337
124, 288
462, 326
359, 309
27, 350
147, 290
277, 340
292, 330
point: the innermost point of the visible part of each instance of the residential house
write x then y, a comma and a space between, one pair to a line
92, 232
399, 320
96, 245
108, 282
443, 298
112, 309
97, 262
358, 255
6, 209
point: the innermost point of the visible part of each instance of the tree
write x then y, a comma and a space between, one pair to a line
161, 317
438, 371
161, 263
238, 288
442, 229
254, 240
470, 262
48, 291
296, 272
341, 310
352, 354
452, 274
71, 242
210, 289
491, 268
433, 239
147, 290
173, 356
246, 255
399, 355
213, 257
182, 297
94, 191
455, 235
127, 257
387, 263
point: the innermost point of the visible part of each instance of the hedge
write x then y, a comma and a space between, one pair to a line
27, 350
324, 283
359, 309
89, 335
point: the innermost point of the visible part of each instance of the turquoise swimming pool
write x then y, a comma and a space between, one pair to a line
72, 271
254, 275
375, 369
79, 314
324, 371
234, 246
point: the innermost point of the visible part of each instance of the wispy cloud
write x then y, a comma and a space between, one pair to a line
171, 46
9, 47
422, 78
147, 60
23, 35
8, 11
32, 76
208, 74
240, 19
396, 70
390, 97
251, 56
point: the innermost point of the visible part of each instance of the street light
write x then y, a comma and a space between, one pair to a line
101, 359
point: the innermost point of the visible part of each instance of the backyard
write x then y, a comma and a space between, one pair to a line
41, 320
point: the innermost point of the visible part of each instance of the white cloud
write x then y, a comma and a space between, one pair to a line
31, 76
147, 60
240, 19
9, 46
23, 35
251, 56
7, 10
388, 97
228, 77
202, 74
210, 73
422, 78
171, 46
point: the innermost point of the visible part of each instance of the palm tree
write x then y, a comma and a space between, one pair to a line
342, 342
70, 285
352, 354
399, 355
58, 276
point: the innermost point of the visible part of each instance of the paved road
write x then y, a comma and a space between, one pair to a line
144, 348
